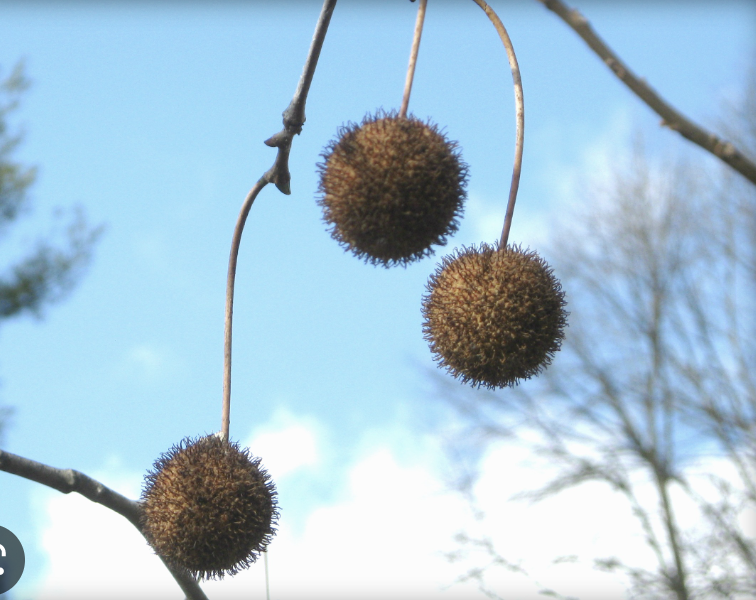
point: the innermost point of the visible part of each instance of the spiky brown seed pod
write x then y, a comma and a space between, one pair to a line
494, 317
209, 507
391, 188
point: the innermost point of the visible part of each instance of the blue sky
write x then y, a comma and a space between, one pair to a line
152, 117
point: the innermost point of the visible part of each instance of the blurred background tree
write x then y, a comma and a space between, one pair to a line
657, 375
51, 267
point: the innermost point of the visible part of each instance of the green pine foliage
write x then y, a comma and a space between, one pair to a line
49, 270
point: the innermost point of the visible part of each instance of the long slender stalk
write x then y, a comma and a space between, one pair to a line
519, 118
230, 282
413, 56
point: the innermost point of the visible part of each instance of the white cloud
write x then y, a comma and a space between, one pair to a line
148, 362
95, 553
384, 534
146, 358
595, 163
483, 219
580, 524
286, 444
152, 249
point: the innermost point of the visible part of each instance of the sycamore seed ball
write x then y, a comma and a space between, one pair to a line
391, 188
209, 507
494, 316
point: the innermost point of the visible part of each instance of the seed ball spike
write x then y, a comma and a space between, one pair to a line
209, 507
391, 188
494, 317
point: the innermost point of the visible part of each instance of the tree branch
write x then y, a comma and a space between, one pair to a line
69, 480
294, 115
672, 118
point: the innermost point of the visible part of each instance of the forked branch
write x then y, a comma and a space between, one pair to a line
294, 115
671, 117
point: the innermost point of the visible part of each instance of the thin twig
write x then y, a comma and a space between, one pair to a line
293, 120
413, 57
294, 115
69, 480
519, 118
671, 117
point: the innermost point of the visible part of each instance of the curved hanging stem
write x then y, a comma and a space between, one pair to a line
413, 57
519, 116
228, 326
